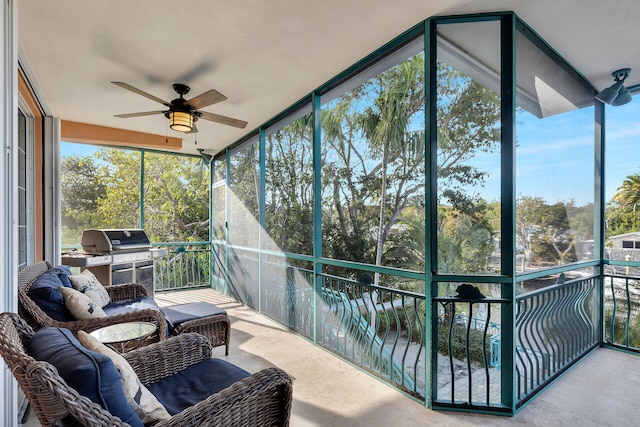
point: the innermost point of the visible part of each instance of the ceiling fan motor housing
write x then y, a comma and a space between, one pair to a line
182, 89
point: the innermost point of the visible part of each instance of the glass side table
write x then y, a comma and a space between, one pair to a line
124, 337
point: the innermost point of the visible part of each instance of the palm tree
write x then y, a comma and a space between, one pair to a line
386, 124
628, 193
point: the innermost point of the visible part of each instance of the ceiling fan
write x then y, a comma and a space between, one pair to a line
182, 113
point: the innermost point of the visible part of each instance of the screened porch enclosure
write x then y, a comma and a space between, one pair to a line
433, 215
354, 217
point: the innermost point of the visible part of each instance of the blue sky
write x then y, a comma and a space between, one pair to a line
68, 149
555, 155
623, 143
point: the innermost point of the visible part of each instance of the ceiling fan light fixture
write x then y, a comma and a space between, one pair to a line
180, 121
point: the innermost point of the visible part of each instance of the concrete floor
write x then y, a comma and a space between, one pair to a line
600, 391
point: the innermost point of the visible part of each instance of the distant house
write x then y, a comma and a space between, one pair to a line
626, 241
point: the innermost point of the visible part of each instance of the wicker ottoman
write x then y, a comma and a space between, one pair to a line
201, 317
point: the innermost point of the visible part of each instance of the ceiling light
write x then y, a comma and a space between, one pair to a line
206, 157
180, 121
616, 94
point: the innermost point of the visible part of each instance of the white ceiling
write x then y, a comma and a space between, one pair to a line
265, 55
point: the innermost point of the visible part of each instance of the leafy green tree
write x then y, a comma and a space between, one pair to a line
549, 233
374, 156
527, 224
621, 219
104, 192
623, 215
347, 214
465, 244
387, 126
628, 194
468, 116
82, 186
406, 247
176, 199
243, 202
555, 239
120, 205
289, 188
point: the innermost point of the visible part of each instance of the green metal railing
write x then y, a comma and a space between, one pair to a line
288, 295
185, 267
622, 312
467, 371
382, 329
377, 328
555, 327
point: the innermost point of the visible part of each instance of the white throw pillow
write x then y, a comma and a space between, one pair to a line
87, 283
139, 397
79, 305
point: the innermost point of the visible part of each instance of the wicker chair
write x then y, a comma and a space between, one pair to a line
262, 399
37, 318
216, 328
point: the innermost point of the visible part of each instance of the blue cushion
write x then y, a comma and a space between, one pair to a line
135, 304
45, 291
63, 272
196, 383
91, 374
178, 314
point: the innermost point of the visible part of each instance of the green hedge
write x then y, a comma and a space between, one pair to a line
459, 343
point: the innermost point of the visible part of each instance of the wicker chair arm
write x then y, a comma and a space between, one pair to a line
156, 361
263, 399
31, 312
126, 291
56, 400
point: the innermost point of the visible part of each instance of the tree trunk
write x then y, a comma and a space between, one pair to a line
381, 231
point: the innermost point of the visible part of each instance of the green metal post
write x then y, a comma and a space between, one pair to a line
262, 209
141, 213
226, 216
600, 208
431, 208
508, 208
317, 209
211, 222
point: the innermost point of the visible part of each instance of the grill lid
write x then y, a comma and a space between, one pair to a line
109, 241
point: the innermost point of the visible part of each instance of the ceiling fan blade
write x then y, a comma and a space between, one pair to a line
210, 97
141, 92
223, 120
145, 113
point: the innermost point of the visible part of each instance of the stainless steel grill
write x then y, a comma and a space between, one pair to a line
115, 241
117, 256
